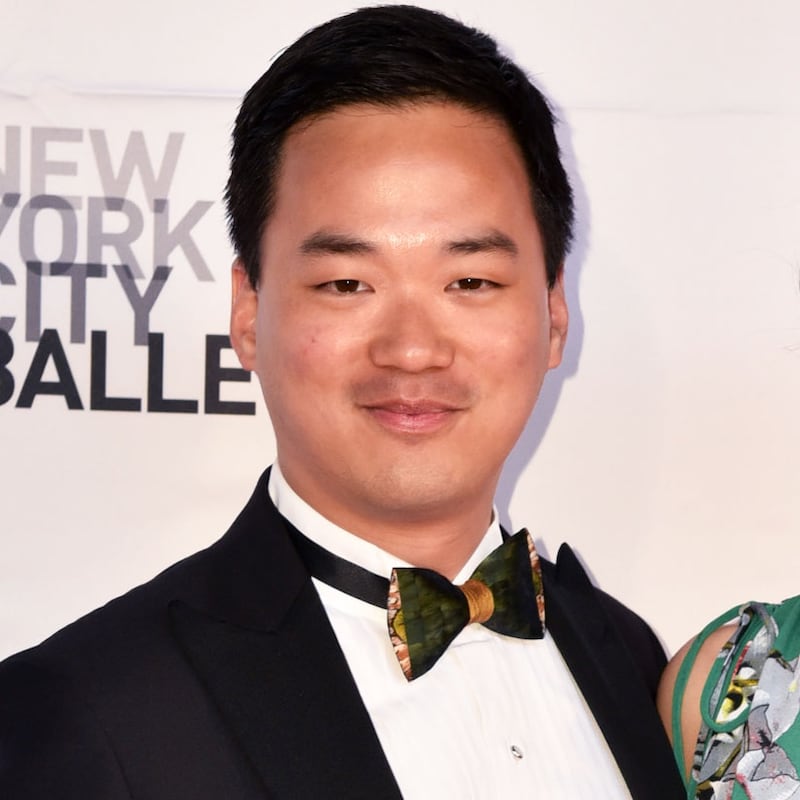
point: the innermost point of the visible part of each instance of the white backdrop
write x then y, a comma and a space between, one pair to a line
666, 447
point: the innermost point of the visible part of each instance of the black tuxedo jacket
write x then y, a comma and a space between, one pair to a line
222, 678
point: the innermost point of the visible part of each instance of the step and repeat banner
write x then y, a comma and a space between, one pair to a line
666, 449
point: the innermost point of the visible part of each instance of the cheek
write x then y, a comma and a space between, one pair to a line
516, 365
316, 347
301, 353
327, 344
523, 347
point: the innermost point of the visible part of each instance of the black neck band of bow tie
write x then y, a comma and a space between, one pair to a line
338, 572
342, 574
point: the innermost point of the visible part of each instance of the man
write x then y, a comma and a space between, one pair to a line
400, 217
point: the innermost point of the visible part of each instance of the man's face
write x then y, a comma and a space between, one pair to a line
403, 325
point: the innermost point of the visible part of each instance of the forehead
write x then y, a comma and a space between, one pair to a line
429, 172
357, 136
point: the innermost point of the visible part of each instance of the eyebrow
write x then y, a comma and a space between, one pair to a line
329, 243
326, 243
484, 244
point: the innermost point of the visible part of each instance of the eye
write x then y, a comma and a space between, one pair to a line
472, 284
344, 286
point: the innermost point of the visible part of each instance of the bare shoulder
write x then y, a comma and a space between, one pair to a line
690, 707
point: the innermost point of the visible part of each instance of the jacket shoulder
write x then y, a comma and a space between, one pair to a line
591, 609
639, 638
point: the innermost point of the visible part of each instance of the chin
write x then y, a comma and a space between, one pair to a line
420, 489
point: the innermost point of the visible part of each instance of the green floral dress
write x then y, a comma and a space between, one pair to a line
749, 742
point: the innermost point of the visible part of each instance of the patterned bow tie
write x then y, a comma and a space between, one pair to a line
426, 611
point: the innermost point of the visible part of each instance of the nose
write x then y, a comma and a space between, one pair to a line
411, 335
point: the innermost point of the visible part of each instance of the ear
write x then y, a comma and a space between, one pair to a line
559, 321
244, 310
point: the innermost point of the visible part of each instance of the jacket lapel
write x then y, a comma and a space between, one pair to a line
610, 679
258, 638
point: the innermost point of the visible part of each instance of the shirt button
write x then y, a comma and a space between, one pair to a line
516, 752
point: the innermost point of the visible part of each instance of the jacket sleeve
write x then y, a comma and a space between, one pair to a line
52, 746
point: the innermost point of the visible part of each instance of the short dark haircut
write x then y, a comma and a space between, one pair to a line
391, 56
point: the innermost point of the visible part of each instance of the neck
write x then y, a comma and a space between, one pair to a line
443, 545
435, 536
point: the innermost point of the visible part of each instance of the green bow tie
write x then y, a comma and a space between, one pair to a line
426, 611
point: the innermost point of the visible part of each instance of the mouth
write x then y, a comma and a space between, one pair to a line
415, 417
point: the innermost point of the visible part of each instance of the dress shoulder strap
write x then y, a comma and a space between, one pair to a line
683, 677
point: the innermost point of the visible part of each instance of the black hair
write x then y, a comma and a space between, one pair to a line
391, 56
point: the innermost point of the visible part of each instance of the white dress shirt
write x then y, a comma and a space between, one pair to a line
495, 717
